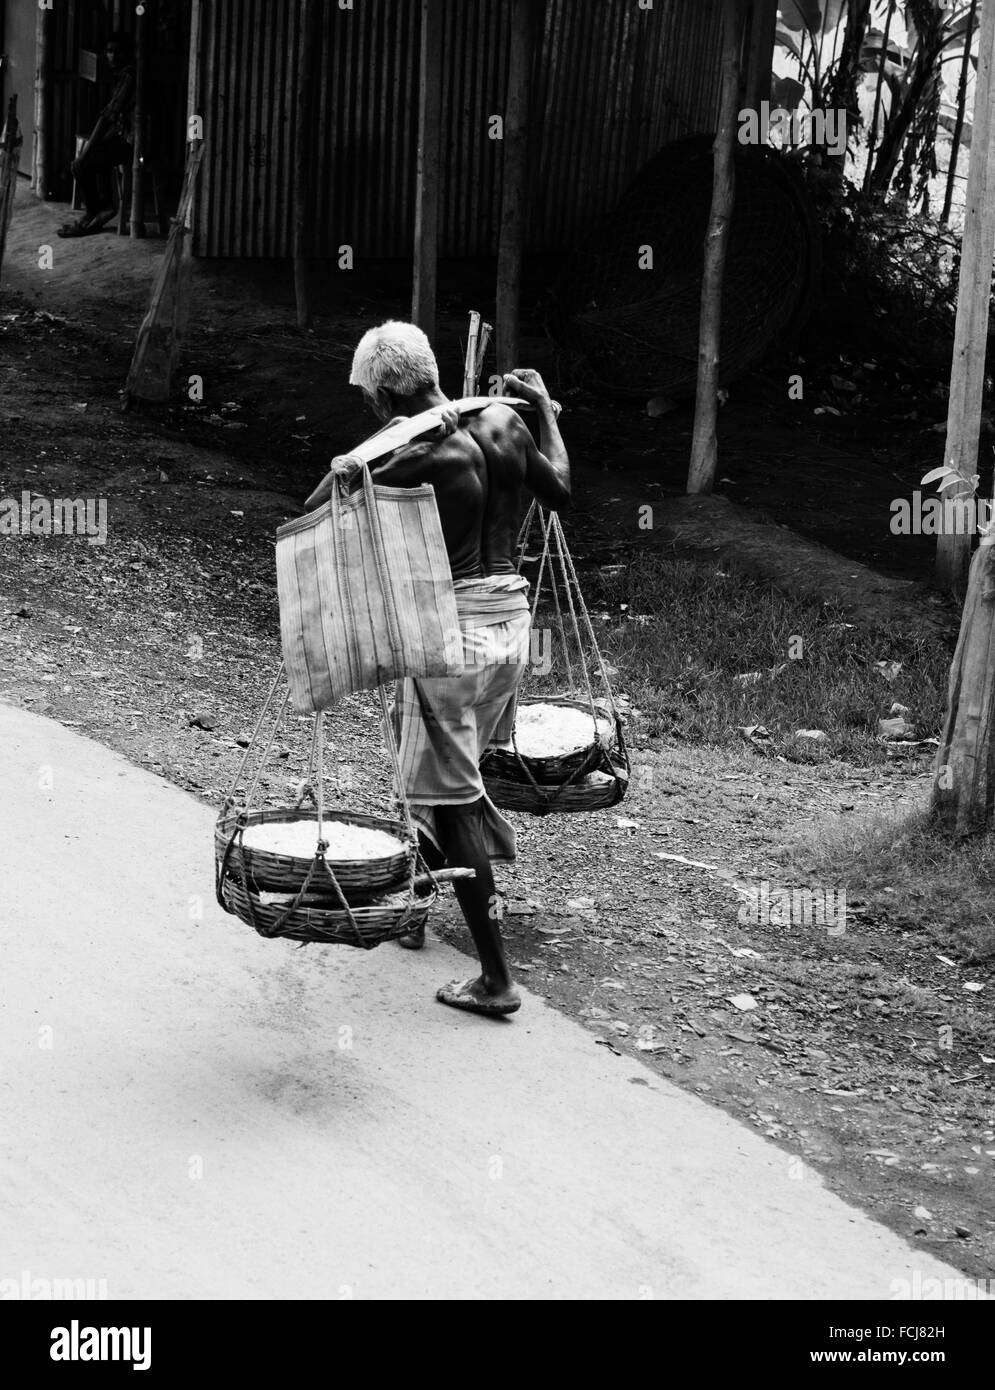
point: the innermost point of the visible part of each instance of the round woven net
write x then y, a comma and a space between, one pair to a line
633, 330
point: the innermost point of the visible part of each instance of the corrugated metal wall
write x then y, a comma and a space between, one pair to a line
613, 84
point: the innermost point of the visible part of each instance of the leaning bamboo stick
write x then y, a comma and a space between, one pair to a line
153, 360
470, 364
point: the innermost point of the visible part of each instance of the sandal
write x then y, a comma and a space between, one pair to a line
84, 227
460, 994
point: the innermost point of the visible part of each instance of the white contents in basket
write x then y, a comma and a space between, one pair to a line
299, 840
551, 731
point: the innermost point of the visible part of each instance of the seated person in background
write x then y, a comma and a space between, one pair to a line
111, 142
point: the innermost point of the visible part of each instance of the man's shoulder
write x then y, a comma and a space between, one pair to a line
496, 420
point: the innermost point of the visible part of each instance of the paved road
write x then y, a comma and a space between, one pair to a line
193, 1112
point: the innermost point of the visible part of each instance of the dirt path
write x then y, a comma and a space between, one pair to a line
193, 1112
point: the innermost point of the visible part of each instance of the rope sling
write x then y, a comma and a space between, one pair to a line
562, 782
242, 874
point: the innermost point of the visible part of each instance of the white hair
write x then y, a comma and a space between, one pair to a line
395, 357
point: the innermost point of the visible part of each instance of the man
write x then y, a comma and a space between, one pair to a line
479, 465
111, 142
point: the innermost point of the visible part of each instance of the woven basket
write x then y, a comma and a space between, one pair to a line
505, 764
325, 926
284, 873
568, 796
542, 785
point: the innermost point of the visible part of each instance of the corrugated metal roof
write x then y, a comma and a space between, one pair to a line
613, 84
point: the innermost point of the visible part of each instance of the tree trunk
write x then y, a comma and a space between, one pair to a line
965, 68
842, 92
704, 444
967, 377
872, 137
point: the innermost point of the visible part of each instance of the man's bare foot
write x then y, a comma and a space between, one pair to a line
475, 997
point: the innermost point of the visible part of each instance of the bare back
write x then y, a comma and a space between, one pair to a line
479, 474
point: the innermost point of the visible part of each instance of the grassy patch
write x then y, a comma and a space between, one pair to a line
903, 869
702, 651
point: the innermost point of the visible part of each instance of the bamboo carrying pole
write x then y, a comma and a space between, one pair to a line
967, 375
10, 153
526, 27
429, 170
303, 161
704, 443
159, 336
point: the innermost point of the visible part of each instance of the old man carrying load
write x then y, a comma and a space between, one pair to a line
480, 465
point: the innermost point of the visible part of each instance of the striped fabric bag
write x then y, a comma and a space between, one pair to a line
366, 593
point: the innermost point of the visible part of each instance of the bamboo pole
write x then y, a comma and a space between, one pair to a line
526, 17
41, 153
704, 443
967, 376
428, 175
965, 68
10, 147
142, 20
311, 28
470, 362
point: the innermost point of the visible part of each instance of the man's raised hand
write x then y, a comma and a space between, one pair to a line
528, 384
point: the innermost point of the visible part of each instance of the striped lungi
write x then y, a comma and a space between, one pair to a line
444, 723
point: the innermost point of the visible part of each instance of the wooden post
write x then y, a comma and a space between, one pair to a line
10, 145
41, 157
963, 801
308, 60
526, 20
142, 20
760, 52
704, 443
429, 168
967, 376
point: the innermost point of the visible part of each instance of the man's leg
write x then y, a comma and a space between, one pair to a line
461, 834
93, 168
433, 860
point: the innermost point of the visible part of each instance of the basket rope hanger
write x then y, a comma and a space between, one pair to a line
599, 759
550, 526
232, 862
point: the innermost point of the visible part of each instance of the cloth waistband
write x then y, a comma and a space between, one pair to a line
496, 598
